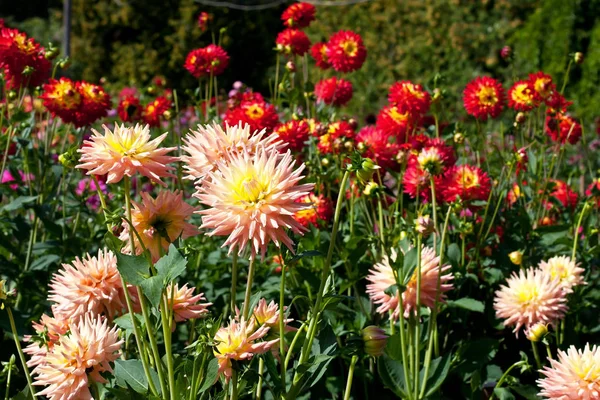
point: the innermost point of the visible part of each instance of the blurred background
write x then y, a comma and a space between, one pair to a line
128, 42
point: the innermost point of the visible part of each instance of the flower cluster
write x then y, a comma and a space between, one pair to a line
22, 59
207, 61
254, 111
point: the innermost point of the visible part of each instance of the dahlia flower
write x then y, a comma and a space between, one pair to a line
333, 91
267, 314
62, 98
542, 84
125, 151
207, 61
252, 200
18, 52
95, 101
299, 15
293, 134
7, 177
203, 19
557, 103
529, 298
346, 51
129, 109
409, 98
239, 341
319, 52
78, 357
332, 141
88, 285
159, 222
393, 122
255, 112
381, 277
416, 181
565, 270
562, 192
379, 146
466, 182
292, 41
483, 97
154, 111
522, 96
184, 303
574, 375
49, 329
562, 128
321, 209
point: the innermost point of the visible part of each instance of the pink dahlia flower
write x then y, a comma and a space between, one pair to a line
565, 270
185, 304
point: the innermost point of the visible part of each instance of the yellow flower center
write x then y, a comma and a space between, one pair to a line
541, 86
414, 91
350, 48
397, 116
527, 293
255, 111
522, 94
469, 179
250, 189
231, 345
66, 95
23, 44
588, 370
487, 96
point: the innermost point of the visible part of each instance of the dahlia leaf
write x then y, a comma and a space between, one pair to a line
468, 304
131, 372
134, 269
152, 288
437, 373
171, 265
392, 375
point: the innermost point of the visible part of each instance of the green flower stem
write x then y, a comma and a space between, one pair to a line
13, 328
11, 362
576, 233
288, 356
434, 212
536, 355
503, 378
281, 324
166, 326
261, 367
234, 386
380, 219
350, 376
248, 294
234, 276
403, 347
566, 80
418, 318
316, 311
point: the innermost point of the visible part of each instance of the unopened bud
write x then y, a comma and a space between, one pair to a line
537, 332
366, 171
324, 162
151, 90
51, 53
437, 95
506, 53
167, 115
64, 63
459, 138
348, 145
578, 58
290, 66
520, 117
375, 340
370, 188
11, 95
28, 70
353, 123
516, 257
424, 225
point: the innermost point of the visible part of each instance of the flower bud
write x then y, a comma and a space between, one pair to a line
578, 58
353, 123
516, 257
437, 95
324, 162
167, 115
459, 138
11, 95
3, 294
51, 53
290, 66
520, 117
403, 235
506, 53
366, 171
375, 340
348, 145
370, 188
69, 158
424, 225
64, 63
537, 332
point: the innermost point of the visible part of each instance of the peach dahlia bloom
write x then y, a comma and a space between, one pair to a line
88, 285
209, 144
78, 357
252, 200
184, 303
574, 376
381, 277
125, 151
158, 221
530, 297
565, 270
49, 329
268, 314
239, 341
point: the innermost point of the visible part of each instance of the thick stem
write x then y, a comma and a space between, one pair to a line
350, 376
261, 367
234, 384
282, 325
418, 319
536, 355
166, 326
234, 276
503, 377
248, 294
13, 328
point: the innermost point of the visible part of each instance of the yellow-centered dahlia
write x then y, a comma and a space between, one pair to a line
565, 270
158, 221
252, 200
126, 151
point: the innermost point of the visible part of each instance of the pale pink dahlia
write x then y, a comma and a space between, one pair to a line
209, 144
158, 221
83, 354
185, 304
252, 199
530, 297
88, 285
49, 330
239, 341
268, 314
125, 151
574, 376
382, 277
564, 269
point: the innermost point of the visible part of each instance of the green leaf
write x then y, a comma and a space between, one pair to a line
172, 265
19, 203
23, 394
212, 371
503, 394
392, 374
454, 254
437, 373
134, 269
468, 304
131, 372
42, 263
409, 265
393, 347
153, 288
304, 254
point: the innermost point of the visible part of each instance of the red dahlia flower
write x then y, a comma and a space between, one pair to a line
321, 210
417, 182
256, 113
562, 128
293, 133
155, 110
79, 103
334, 91
466, 182
319, 52
203, 20
522, 96
292, 41
129, 109
346, 51
379, 146
542, 84
483, 97
18, 53
391, 121
298, 15
208, 60
332, 141
409, 97
96, 102
561, 192
557, 103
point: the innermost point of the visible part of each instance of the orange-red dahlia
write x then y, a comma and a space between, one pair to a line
62, 98
346, 51
337, 133
522, 96
256, 113
562, 128
593, 190
293, 134
378, 145
203, 19
154, 111
207, 61
542, 84
18, 53
393, 122
319, 52
333, 91
467, 183
557, 103
483, 97
299, 15
95, 101
292, 41
561, 192
409, 98
129, 109
321, 210
417, 181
